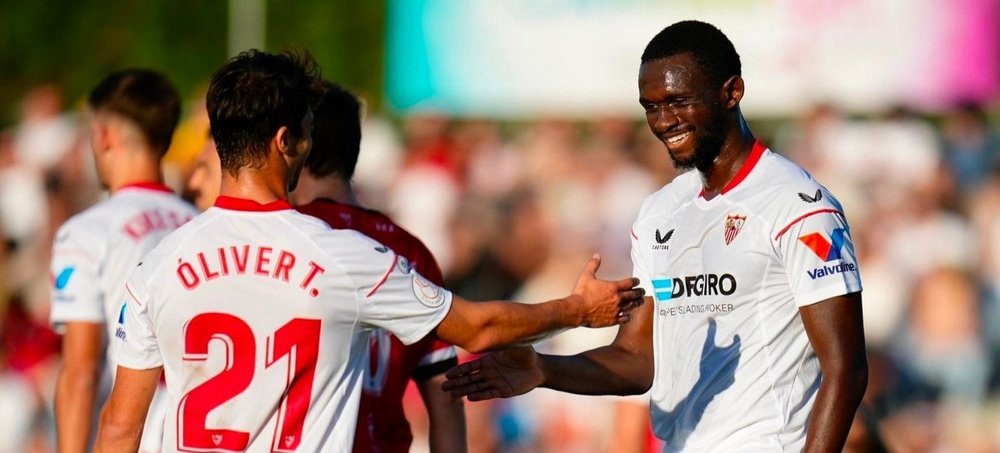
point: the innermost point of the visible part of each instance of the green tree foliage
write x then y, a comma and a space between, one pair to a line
74, 43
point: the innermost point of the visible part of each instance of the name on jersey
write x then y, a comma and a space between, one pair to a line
253, 260
667, 289
151, 221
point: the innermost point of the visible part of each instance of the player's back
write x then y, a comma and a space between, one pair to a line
382, 424
95, 251
259, 316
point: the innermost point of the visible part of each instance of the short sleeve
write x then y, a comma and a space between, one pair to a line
389, 293
75, 276
818, 255
135, 339
639, 269
440, 357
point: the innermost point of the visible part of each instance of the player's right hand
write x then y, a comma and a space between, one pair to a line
500, 374
605, 303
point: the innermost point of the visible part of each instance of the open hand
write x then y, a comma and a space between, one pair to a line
605, 303
500, 374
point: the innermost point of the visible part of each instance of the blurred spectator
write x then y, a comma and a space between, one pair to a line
45, 133
969, 148
941, 344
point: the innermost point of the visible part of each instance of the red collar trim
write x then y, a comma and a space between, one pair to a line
148, 185
748, 166
243, 204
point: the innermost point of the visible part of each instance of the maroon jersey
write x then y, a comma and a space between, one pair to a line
382, 426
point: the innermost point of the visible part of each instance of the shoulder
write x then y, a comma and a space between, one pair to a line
783, 192
88, 227
684, 188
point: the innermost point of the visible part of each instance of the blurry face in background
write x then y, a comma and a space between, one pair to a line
206, 178
684, 109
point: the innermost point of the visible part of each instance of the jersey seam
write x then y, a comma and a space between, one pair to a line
769, 224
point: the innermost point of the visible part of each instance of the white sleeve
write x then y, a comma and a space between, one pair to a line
135, 339
75, 271
390, 294
818, 255
639, 269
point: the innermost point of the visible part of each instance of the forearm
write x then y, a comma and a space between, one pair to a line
609, 370
446, 415
497, 324
836, 403
74, 409
114, 437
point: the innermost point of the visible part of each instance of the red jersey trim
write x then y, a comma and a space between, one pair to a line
243, 204
748, 166
384, 277
155, 186
136, 299
802, 217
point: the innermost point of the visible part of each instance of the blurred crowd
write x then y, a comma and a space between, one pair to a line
513, 210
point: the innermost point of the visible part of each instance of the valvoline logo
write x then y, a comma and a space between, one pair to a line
826, 250
60, 281
120, 331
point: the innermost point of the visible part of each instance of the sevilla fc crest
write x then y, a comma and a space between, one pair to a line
734, 223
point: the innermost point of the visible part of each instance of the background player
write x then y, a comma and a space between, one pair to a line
748, 257
325, 192
133, 115
252, 275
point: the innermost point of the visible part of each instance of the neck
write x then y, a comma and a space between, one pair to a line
331, 187
737, 146
134, 166
255, 184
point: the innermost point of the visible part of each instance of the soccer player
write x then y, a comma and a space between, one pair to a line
133, 115
752, 337
259, 316
325, 191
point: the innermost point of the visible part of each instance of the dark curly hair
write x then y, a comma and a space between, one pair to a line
252, 96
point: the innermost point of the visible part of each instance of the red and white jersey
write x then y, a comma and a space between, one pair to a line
260, 317
95, 251
382, 425
734, 368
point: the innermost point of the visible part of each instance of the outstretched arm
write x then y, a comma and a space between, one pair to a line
481, 326
624, 367
836, 332
125, 412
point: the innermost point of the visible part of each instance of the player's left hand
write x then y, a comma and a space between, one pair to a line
605, 303
500, 374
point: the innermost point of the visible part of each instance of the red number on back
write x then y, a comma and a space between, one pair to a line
298, 339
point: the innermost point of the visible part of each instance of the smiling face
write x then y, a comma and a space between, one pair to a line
684, 109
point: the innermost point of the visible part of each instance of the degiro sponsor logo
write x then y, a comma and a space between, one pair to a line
667, 289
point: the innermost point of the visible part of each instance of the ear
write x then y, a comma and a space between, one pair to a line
732, 92
101, 135
282, 141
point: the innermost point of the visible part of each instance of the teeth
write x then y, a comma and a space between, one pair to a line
678, 138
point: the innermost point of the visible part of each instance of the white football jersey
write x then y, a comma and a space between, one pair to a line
95, 251
734, 368
260, 317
